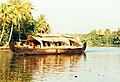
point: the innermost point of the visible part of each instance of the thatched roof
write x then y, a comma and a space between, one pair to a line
54, 39
48, 35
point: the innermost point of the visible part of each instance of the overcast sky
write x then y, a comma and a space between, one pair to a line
78, 16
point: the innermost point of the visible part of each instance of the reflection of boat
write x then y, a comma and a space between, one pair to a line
39, 67
48, 44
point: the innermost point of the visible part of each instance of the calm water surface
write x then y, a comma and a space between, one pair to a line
97, 64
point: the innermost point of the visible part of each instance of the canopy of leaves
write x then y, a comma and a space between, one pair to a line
16, 21
41, 25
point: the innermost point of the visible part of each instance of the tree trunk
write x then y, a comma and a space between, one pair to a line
11, 33
2, 34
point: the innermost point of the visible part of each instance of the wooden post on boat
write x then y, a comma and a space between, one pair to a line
84, 44
18, 44
33, 45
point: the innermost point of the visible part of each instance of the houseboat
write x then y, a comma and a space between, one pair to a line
48, 44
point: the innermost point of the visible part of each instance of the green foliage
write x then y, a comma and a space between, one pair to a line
100, 37
41, 26
16, 21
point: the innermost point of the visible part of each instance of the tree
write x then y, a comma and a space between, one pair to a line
107, 33
15, 18
41, 25
118, 33
93, 36
4, 19
100, 33
23, 16
115, 37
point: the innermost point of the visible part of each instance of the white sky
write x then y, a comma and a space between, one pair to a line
79, 16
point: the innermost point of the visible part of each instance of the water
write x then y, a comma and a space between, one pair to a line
97, 64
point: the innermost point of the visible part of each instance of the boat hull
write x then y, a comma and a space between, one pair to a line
31, 51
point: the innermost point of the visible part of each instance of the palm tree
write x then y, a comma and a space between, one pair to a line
14, 16
93, 36
22, 11
107, 34
4, 19
42, 26
100, 33
118, 34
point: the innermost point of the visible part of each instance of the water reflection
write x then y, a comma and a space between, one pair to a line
100, 64
5, 58
35, 68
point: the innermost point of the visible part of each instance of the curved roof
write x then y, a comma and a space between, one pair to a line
53, 39
48, 35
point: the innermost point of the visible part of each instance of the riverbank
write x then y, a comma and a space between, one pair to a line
104, 45
5, 47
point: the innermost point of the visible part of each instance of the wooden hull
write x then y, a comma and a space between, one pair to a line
30, 51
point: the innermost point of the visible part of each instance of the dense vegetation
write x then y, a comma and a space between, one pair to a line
16, 21
100, 37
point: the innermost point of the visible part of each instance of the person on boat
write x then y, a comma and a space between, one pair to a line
47, 44
37, 46
25, 45
19, 44
30, 45
52, 44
